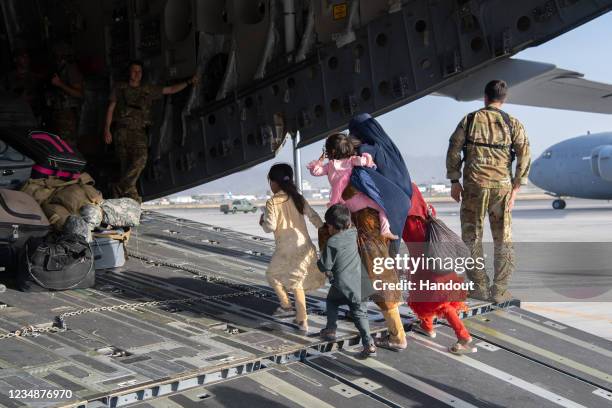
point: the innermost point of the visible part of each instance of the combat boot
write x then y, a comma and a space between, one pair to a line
504, 266
500, 294
116, 191
480, 281
480, 291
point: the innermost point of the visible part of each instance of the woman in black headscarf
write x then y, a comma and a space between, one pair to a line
390, 187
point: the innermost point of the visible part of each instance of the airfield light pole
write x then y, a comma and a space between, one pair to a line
297, 161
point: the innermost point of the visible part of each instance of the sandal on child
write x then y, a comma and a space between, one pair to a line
386, 343
328, 334
367, 351
460, 348
420, 330
282, 312
302, 326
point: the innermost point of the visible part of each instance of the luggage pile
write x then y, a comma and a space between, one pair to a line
56, 228
15, 168
21, 218
61, 198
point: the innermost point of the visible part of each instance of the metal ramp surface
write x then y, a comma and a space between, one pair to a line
425, 375
188, 322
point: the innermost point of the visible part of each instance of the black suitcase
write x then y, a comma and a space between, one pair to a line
21, 218
53, 155
15, 168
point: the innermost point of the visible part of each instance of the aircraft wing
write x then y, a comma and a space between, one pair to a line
536, 84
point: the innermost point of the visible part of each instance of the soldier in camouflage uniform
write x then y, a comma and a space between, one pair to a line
64, 98
130, 107
490, 140
24, 83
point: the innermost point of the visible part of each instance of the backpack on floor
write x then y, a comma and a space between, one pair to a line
56, 262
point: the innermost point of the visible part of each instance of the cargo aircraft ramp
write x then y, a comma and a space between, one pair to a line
187, 322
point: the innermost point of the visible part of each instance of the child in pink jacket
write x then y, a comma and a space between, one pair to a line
341, 154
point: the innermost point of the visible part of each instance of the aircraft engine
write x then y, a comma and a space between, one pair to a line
601, 162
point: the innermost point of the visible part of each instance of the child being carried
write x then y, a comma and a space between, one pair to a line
341, 154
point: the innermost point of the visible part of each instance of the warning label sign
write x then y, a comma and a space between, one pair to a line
339, 11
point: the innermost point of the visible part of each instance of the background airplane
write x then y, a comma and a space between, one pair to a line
577, 167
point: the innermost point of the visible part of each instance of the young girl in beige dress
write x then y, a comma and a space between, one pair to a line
294, 263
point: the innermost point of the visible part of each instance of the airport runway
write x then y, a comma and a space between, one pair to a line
534, 221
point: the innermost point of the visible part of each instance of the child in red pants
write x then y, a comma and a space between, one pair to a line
428, 304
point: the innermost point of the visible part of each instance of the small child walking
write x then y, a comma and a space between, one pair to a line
350, 284
428, 304
341, 154
293, 266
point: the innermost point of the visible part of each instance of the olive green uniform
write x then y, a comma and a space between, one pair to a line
132, 116
64, 107
26, 85
489, 140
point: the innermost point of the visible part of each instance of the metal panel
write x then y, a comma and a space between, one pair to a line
395, 58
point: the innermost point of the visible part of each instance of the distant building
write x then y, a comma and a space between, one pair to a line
439, 188
230, 196
306, 186
159, 201
209, 197
182, 200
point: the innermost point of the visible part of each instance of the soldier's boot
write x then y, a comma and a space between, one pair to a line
480, 290
478, 277
116, 191
504, 266
136, 197
133, 194
480, 284
500, 294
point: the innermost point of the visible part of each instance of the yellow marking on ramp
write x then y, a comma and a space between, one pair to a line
562, 336
570, 313
414, 383
544, 353
289, 391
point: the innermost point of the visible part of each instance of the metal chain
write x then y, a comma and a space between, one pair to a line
60, 325
205, 277
30, 331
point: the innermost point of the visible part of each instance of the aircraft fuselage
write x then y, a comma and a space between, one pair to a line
577, 167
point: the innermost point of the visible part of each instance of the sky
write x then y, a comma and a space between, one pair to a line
422, 128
